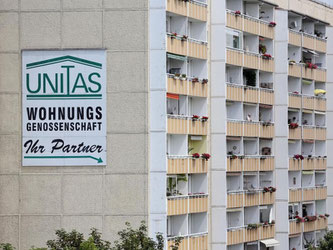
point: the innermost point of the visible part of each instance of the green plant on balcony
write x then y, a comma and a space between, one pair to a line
252, 226
250, 78
262, 48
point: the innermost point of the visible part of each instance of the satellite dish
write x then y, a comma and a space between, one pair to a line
293, 24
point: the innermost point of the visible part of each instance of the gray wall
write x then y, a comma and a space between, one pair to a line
35, 201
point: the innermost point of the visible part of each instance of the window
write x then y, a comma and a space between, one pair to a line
234, 39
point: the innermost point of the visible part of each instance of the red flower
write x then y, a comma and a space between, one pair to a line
204, 118
196, 79
196, 156
237, 12
204, 81
293, 125
205, 156
272, 24
195, 117
266, 56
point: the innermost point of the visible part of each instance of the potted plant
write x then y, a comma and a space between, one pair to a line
183, 77
173, 35
195, 79
266, 56
233, 156
272, 24
204, 118
195, 117
327, 215
196, 156
205, 156
293, 125
204, 81
237, 13
184, 38
262, 48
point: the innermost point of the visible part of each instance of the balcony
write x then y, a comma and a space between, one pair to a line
321, 193
295, 70
251, 235
267, 65
308, 73
234, 21
197, 127
295, 133
266, 232
251, 94
251, 129
295, 164
234, 128
321, 164
234, 165
235, 92
195, 242
235, 57
197, 49
177, 206
321, 223
309, 226
320, 75
267, 163
251, 164
197, 166
308, 102
266, 30
198, 204
177, 86
295, 38
197, 89
251, 25
308, 194
295, 101
266, 96
193, 9
185, 125
176, 45
187, 47
235, 200
320, 104
177, 7
295, 227
309, 133
295, 195
266, 131
183, 205
309, 41
309, 164
187, 165
320, 133
267, 198
235, 236
251, 60
320, 45
251, 198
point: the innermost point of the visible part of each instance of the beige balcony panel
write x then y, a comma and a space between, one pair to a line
234, 93
320, 75
182, 246
295, 165
267, 198
295, 38
197, 50
235, 200
198, 127
321, 45
309, 226
251, 95
295, 101
235, 57
251, 164
251, 129
235, 22
198, 11
177, 166
308, 164
308, 102
267, 164
295, 70
309, 133
176, 46
251, 26
234, 165
295, 133
266, 97
198, 204
308, 73
320, 104
267, 65
197, 89
309, 194
321, 193
198, 166
177, 86
251, 61
235, 236
321, 134
267, 131
320, 164
321, 223
234, 128
266, 232
308, 42
295, 195
251, 199
266, 31
251, 235
177, 126
294, 227
198, 242
177, 7
177, 206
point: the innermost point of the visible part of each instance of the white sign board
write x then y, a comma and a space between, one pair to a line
64, 108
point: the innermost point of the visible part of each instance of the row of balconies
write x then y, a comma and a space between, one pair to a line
249, 199
187, 47
194, 242
189, 204
299, 70
307, 194
192, 9
249, 60
304, 40
186, 125
242, 235
299, 227
187, 165
308, 133
250, 129
187, 87
249, 94
307, 102
249, 24
239, 164
307, 164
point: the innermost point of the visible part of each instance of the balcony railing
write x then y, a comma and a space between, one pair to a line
266, 130
186, 125
249, 24
251, 129
308, 194
267, 198
295, 227
250, 163
295, 101
179, 205
320, 104
176, 45
177, 85
308, 163
234, 165
266, 96
235, 128
295, 133
266, 232
251, 94
321, 223
295, 38
193, 9
318, 74
295, 195
195, 241
186, 165
235, 200
295, 164
235, 236
197, 49
309, 226
309, 132
267, 163
321, 193
308, 102
320, 164
251, 235
240, 235
295, 70
308, 41
320, 133
251, 198
198, 204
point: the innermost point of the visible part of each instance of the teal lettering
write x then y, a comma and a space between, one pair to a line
80, 78
28, 84
68, 76
94, 82
46, 79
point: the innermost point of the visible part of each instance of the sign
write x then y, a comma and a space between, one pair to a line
64, 108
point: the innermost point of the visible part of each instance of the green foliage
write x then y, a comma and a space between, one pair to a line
327, 242
6, 246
